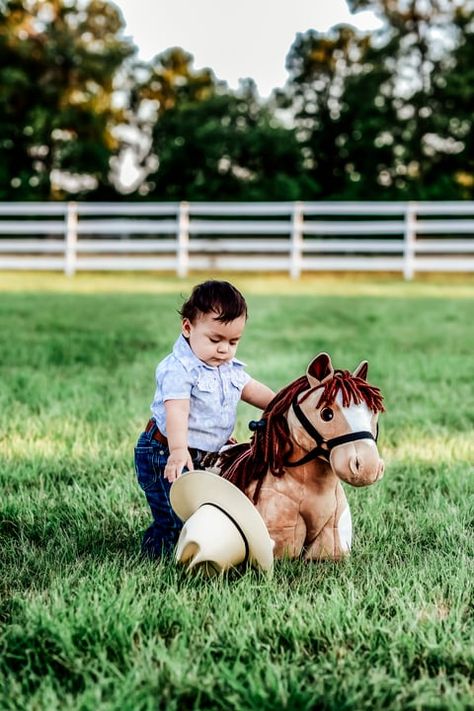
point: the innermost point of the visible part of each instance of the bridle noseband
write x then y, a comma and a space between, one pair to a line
323, 446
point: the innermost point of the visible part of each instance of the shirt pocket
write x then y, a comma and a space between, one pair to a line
206, 383
239, 379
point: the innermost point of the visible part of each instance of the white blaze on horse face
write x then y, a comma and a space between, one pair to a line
358, 417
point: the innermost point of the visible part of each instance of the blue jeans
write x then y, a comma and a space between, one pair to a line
150, 461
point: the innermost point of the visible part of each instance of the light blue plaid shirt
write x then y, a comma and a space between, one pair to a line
213, 392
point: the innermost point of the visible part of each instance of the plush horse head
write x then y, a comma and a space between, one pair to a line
319, 430
339, 412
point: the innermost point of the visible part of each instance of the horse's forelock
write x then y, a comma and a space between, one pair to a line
353, 390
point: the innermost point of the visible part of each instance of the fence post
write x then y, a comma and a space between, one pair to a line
182, 247
410, 239
71, 239
296, 246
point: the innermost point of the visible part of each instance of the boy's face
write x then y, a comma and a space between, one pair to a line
212, 341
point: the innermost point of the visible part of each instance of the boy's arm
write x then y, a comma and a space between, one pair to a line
257, 394
177, 414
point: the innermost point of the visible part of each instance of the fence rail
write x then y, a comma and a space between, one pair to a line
407, 237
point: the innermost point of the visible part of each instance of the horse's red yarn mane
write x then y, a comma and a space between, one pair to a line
352, 389
271, 446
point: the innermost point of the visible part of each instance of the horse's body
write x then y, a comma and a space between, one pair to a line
319, 430
306, 513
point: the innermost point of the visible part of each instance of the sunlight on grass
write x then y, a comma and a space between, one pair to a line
442, 449
345, 284
432, 450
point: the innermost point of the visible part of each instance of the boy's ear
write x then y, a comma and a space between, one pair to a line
186, 327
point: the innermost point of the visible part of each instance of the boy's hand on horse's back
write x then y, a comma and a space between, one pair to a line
177, 460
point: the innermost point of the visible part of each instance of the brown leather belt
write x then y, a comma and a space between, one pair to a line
156, 434
196, 454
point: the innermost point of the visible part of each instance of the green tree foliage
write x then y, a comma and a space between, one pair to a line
225, 147
156, 88
453, 111
428, 35
58, 62
387, 115
171, 80
320, 67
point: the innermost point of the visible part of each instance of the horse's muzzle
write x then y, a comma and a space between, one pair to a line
357, 463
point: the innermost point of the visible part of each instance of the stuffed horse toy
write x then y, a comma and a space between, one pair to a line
319, 430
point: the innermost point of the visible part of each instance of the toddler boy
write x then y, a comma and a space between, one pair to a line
198, 387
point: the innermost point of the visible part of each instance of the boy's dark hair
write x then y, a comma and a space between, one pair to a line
218, 297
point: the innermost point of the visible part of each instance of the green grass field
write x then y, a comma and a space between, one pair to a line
85, 624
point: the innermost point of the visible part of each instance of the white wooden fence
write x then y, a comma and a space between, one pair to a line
406, 237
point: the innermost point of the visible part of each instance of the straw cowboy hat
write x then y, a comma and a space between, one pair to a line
222, 527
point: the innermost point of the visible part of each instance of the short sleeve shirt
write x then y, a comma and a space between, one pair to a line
213, 393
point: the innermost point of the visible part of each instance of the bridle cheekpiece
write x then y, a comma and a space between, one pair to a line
323, 446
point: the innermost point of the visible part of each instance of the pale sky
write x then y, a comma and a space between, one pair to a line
234, 38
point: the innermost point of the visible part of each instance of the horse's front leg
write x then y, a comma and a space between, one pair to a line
333, 541
284, 522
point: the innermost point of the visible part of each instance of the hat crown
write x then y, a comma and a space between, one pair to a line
211, 538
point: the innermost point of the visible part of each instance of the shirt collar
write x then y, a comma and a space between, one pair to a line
182, 351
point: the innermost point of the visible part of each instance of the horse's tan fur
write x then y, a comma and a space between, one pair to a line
301, 512
303, 507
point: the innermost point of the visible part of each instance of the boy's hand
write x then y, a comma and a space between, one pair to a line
178, 459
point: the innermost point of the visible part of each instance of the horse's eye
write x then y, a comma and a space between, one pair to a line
327, 414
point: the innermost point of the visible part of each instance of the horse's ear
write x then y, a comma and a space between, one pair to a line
320, 370
361, 370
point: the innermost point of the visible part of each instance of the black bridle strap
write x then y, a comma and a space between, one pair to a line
308, 457
307, 424
350, 437
319, 450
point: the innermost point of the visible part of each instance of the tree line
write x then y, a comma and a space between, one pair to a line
363, 116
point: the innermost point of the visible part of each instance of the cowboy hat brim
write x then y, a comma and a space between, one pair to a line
197, 488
